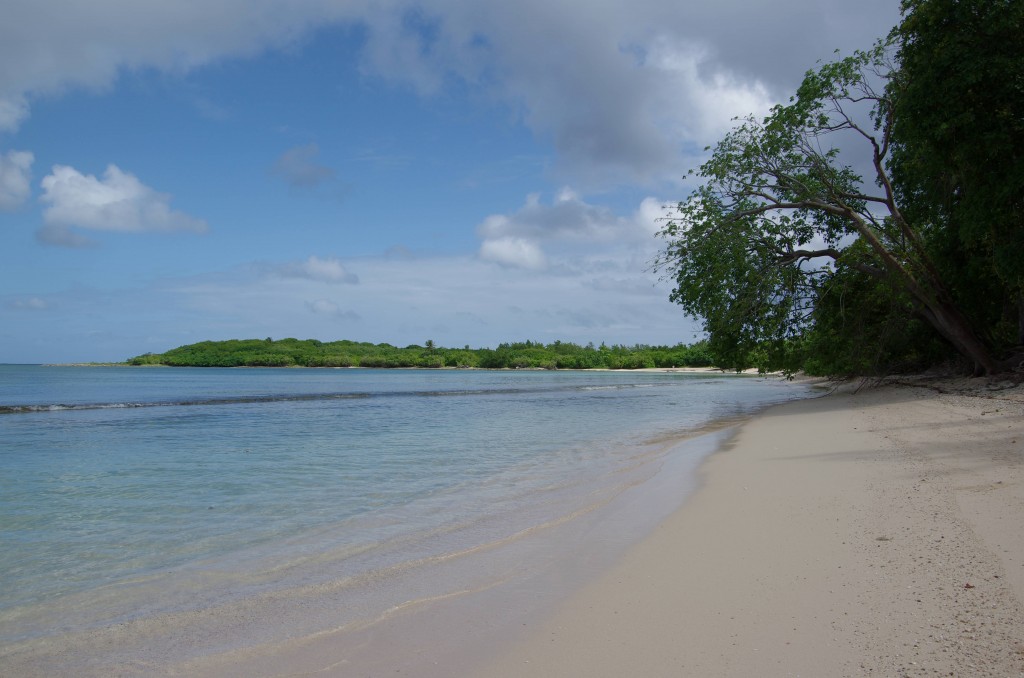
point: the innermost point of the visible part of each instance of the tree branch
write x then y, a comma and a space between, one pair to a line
790, 256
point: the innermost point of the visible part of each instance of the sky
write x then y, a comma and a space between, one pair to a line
461, 171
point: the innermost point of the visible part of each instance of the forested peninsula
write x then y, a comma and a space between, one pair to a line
522, 355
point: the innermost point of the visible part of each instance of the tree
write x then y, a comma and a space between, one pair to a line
958, 155
781, 212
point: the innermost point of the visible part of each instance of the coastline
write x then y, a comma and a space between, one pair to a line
267, 605
871, 531
868, 533
666, 370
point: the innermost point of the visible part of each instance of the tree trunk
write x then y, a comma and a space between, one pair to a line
1020, 318
937, 304
951, 324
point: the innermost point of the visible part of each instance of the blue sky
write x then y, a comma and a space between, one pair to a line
463, 171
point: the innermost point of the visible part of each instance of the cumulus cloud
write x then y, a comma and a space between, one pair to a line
619, 88
48, 46
15, 178
117, 202
569, 222
511, 251
567, 218
327, 270
298, 167
704, 103
650, 215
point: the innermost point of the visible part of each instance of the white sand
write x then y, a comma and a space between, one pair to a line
880, 533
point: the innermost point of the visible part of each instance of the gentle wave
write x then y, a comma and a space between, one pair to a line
230, 400
298, 397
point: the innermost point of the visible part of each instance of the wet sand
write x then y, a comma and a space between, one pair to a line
871, 534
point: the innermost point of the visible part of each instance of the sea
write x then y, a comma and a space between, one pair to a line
304, 499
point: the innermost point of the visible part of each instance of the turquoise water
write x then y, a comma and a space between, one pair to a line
127, 493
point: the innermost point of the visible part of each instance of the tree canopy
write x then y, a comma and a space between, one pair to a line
815, 227
527, 354
958, 163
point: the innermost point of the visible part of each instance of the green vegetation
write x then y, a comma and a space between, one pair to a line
876, 222
528, 354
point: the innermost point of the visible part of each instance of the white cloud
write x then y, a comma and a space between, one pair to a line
568, 217
454, 300
510, 251
623, 90
13, 111
650, 216
298, 167
117, 202
48, 46
327, 270
569, 225
703, 104
602, 292
619, 88
15, 178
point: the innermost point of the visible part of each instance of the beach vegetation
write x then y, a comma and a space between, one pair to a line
861, 226
514, 355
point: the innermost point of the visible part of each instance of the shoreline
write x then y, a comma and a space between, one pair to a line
668, 370
453, 633
386, 603
868, 533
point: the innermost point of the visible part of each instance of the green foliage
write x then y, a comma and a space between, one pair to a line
745, 250
146, 359
865, 326
789, 257
958, 137
524, 355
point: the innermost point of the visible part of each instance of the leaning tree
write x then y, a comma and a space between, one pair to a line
788, 201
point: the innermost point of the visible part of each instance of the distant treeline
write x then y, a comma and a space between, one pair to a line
528, 354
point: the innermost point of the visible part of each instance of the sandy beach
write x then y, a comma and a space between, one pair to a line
874, 531
870, 533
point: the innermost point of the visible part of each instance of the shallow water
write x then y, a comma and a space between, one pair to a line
130, 494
